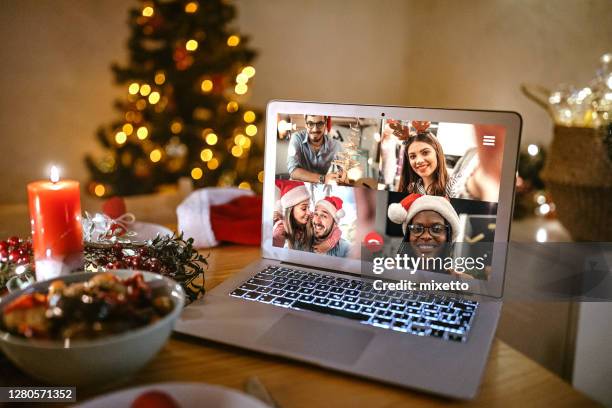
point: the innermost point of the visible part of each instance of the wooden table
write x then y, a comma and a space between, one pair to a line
511, 379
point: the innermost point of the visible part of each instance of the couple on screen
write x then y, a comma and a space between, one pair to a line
297, 226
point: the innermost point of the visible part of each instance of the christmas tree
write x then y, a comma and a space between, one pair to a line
185, 83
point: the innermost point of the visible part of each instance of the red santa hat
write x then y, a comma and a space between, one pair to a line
404, 211
333, 205
291, 193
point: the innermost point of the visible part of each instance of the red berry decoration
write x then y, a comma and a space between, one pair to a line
153, 265
118, 250
13, 241
115, 265
13, 256
4, 245
132, 261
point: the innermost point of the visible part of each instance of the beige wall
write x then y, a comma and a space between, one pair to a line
56, 85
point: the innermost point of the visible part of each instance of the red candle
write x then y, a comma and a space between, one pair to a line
57, 233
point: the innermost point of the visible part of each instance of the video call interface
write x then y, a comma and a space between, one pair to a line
419, 187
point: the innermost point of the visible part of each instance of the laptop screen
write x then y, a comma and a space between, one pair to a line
411, 188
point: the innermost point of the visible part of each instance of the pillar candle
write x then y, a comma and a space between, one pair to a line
57, 233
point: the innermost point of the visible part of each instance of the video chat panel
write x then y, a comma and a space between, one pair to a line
423, 187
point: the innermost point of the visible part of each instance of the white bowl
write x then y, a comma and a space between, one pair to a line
98, 361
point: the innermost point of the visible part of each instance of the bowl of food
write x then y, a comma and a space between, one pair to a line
89, 328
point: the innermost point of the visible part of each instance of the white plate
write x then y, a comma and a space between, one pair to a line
145, 231
185, 394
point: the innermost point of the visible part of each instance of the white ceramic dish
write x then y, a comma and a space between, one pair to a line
185, 394
146, 230
99, 361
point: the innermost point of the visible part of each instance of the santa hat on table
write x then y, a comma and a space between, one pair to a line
291, 193
404, 211
333, 205
219, 214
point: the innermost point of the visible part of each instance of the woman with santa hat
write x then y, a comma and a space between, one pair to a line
293, 229
430, 225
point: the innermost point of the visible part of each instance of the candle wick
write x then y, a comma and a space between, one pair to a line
54, 175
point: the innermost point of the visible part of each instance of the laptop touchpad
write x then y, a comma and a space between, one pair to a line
315, 338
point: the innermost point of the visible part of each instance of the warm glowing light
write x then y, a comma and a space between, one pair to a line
148, 11
176, 127
206, 155
191, 7
155, 155
354, 174
54, 174
244, 185
141, 104
127, 129
242, 78
232, 106
249, 116
133, 88
241, 89
207, 85
544, 209
142, 133
191, 45
196, 173
99, 190
120, 138
211, 139
154, 97
282, 126
160, 78
239, 139
213, 164
233, 40
249, 71
246, 143
145, 89
237, 151
260, 176
533, 150
251, 130
541, 235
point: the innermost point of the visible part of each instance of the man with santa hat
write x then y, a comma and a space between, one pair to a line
327, 234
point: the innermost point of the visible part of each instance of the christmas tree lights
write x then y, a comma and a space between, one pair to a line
183, 113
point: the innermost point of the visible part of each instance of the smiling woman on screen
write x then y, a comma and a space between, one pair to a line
430, 225
294, 228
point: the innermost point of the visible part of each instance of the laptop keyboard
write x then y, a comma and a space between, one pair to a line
423, 314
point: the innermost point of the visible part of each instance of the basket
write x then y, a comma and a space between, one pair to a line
578, 174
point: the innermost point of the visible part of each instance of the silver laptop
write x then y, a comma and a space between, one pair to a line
339, 204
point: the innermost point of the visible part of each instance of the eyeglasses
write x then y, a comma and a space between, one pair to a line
435, 230
319, 124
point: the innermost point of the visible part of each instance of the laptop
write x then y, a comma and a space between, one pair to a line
348, 188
